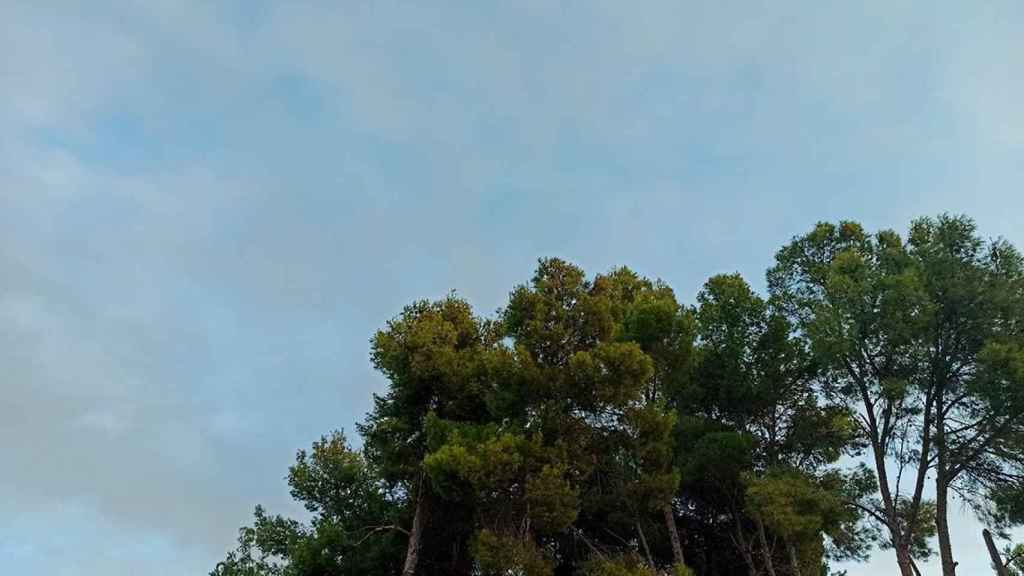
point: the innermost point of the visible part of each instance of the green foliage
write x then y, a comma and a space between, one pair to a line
920, 334
501, 555
334, 480
610, 374
628, 565
501, 470
849, 532
719, 458
1006, 505
759, 377
804, 509
249, 558
478, 459
604, 353
553, 502
647, 460
1014, 560
557, 315
438, 358
571, 432
793, 505
569, 416
680, 570
335, 484
921, 524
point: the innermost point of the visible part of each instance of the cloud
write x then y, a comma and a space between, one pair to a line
206, 210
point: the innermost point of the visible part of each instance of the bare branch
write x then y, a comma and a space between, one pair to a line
375, 529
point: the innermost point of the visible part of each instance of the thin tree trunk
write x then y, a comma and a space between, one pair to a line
643, 540
942, 481
993, 552
766, 553
794, 559
745, 550
900, 544
942, 525
673, 534
579, 534
905, 562
419, 521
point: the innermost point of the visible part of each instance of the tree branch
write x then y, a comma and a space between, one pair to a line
374, 529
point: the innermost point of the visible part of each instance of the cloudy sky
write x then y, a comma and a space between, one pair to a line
206, 209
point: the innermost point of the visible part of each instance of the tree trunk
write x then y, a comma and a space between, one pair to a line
942, 480
673, 534
647, 549
993, 552
766, 553
794, 558
745, 550
900, 545
942, 525
878, 452
419, 522
905, 562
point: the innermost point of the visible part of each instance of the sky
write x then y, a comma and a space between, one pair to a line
207, 209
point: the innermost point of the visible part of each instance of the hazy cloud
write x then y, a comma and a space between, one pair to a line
206, 209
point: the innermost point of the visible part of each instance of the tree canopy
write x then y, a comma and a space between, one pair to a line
599, 426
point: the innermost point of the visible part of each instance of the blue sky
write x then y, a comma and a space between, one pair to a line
206, 209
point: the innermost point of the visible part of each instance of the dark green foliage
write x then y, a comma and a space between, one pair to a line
761, 434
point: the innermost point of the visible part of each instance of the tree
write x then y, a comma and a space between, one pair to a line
802, 511
858, 301
975, 364
591, 393
353, 528
922, 334
517, 488
715, 459
438, 358
759, 379
649, 315
1014, 561
597, 426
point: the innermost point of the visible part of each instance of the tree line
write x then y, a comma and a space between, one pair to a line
597, 426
